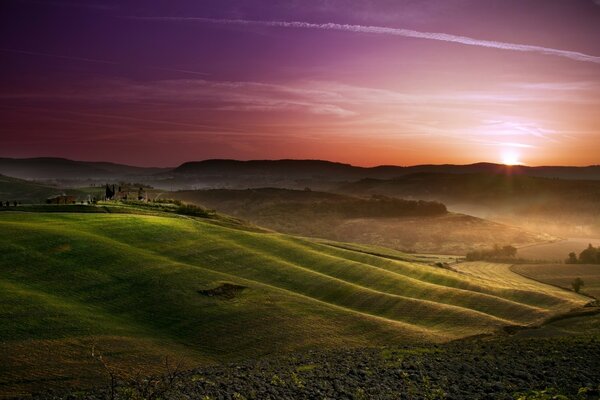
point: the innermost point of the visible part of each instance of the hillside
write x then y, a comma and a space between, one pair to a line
332, 171
292, 174
313, 213
57, 169
137, 287
14, 189
556, 206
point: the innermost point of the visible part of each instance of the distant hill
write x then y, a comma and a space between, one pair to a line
294, 174
288, 170
557, 206
48, 168
351, 219
475, 186
14, 189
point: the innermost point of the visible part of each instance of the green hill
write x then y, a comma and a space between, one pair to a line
137, 287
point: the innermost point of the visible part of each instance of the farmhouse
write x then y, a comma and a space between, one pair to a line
61, 199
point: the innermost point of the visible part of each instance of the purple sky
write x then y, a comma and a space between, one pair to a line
367, 82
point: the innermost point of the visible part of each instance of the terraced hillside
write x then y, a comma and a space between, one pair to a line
136, 288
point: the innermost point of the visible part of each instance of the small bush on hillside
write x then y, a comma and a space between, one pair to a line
168, 201
577, 284
195, 211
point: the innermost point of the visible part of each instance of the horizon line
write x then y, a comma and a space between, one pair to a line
370, 166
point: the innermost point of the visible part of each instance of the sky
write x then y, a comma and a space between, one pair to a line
366, 82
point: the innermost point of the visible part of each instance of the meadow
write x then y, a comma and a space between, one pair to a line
135, 285
563, 274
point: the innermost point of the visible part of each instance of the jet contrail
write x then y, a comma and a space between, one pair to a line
444, 37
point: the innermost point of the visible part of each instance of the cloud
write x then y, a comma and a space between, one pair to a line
98, 61
444, 37
80, 4
35, 53
556, 86
198, 94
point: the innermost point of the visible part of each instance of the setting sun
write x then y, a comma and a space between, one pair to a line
510, 158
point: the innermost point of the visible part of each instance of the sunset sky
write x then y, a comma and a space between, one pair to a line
367, 82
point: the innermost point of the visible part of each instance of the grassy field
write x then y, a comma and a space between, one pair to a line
563, 274
137, 288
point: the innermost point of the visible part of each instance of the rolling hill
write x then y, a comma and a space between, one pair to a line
295, 174
332, 171
50, 168
313, 213
135, 284
557, 206
14, 189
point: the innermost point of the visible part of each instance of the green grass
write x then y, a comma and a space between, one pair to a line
128, 284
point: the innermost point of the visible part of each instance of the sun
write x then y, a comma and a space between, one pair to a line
510, 158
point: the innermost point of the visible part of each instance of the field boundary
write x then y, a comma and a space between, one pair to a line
593, 298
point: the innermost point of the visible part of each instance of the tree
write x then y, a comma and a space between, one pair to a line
589, 255
572, 258
509, 251
577, 284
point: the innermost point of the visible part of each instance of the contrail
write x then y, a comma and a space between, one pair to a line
443, 37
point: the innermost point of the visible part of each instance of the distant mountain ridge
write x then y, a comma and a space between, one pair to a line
335, 170
49, 168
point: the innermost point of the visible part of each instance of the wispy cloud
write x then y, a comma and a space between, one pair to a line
76, 4
310, 97
97, 61
36, 53
556, 86
198, 94
444, 37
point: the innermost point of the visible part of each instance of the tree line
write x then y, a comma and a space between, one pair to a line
496, 253
591, 255
376, 207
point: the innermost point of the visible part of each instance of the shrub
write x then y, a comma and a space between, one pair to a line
577, 284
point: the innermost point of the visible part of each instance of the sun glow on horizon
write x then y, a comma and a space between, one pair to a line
510, 158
